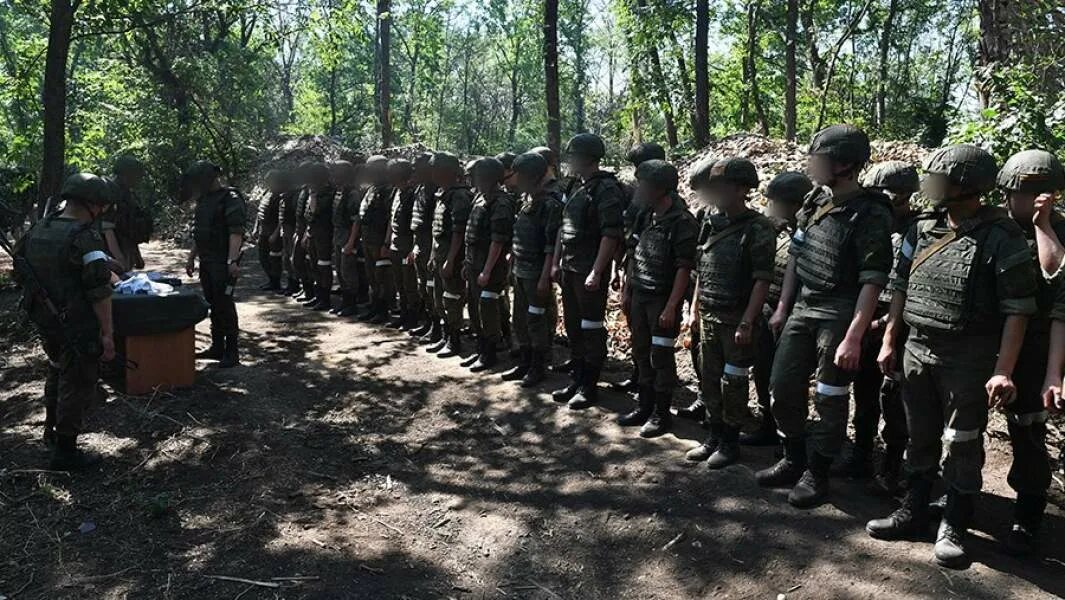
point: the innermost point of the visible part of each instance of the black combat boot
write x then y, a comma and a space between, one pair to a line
215, 350
1027, 517
728, 450
588, 392
630, 385
522, 368
536, 369
857, 463
325, 300
383, 314
410, 320
441, 340
487, 359
910, 519
661, 421
304, 292
765, 435
366, 311
645, 405
424, 329
787, 470
563, 395
566, 367
292, 287
812, 488
347, 306
888, 472
272, 284
452, 344
953, 530
709, 446
937, 507
478, 347
49, 437
66, 456
398, 320
696, 411
231, 357
312, 297
435, 333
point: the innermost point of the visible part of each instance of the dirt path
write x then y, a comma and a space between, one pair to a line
346, 459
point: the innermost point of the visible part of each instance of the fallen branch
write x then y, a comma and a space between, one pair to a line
94, 578
378, 521
267, 584
548, 590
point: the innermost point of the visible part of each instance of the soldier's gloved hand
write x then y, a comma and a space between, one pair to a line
1051, 395
886, 359
591, 282
743, 335
348, 249
1000, 391
107, 343
848, 353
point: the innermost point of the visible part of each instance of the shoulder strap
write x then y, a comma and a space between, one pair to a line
724, 233
986, 217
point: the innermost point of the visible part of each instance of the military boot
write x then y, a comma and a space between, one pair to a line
49, 437
563, 395
696, 411
857, 463
347, 307
398, 320
304, 292
441, 340
383, 314
521, 369
765, 435
728, 451
630, 385
366, 311
953, 530
787, 470
910, 519
661, 421
215, 350
709, 446
478, 347
292, 287
487, 358
231, 356
66, 456
1027, 517
536, 369
565, 367
410, 320
424, 328
588, 391
434, 335
886, 480
325, 300
645, 405
812, 488
937, 507
312, 299
273, 284
452, 345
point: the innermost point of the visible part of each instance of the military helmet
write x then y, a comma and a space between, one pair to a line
422, 160
587, 145
377, 161
531, 165
317, 173
658, 173
644, 152
489, 168
202, 171
964, 165
894, 175
282, 177
446, 161
87, 188
548, 154
790, 186
739, 171
699, 175
1033, 171
842, 143
400, 167
506, 159
127, 163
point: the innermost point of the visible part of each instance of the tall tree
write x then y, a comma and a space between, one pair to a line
658, 77
384, 70
54, 98
886, 32
554, 120
750, 70
790, 70
702, 73
993, 50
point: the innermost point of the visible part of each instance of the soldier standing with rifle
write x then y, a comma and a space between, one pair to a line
269, 230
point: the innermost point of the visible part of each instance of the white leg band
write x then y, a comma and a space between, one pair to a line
737, 371
451, 296
592, 324
93, 256
960, 435
486, 295
664, 342
384, 262
537, 310
277, 254
832, 390
430, 283
325, 263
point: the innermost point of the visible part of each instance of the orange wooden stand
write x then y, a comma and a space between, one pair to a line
166, 360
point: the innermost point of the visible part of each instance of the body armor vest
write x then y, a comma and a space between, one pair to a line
374, 214
578, 224
48, 249
301, 210
288, 207
724, 279
653, 260
342, 210
402, 208
421, 220
823, 263
269, 213
780, 266
209, 228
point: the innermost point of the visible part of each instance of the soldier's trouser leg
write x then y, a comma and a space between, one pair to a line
287, 243
312, 262
946, 411
1026, 418
808, 345
473, 292
522, 312
349, 267
640, 325
425, 283
406, 282
437, 289
490, 302
585, 313
661, 342
867, 384
362, 288
763, 366
75, 378
262, 247
52, 350
218, 292
299, 261
725, 367
534, 315
386, 282
324, 261
369, 266
453, 300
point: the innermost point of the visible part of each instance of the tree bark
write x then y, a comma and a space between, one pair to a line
661, 90
750, 67
995, 43
817, 66
702, 73
790, 70
554, 121
54, 100
384, 70
882, 67
836, 49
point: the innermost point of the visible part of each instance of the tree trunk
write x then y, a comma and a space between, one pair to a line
836, 49
384, 70
54, 99
817, 66
790, 70
687, 95
882, 66
661, 90
751, 67
995, 41
554, 121
515, 102
702, 74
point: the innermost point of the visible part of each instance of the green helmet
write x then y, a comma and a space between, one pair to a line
790, 186
531, 165
842, 143
1033, 171
739, 171
644, 152
202, 172
317, 173
87, 188
423, 159
400, 168
587, 145
894, 175
446, 161
965, 165
506, 159
699, 175
487, 168
658, 173
548, 154
127, 163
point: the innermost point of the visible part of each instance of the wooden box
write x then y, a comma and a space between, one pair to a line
165, 361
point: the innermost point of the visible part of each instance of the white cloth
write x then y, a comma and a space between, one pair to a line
142, 284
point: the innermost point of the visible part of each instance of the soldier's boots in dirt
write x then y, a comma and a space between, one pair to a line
434, 335
487, 359
812, 489
272, 285
410, 320
709, 446
565, 367
472, 359
953, 531
347, 306
645, 405
520, 370
381, 313
886, 481
588, 393
66, 456
1027, 517
536, 373
728, 449
292, 287
765, 435
661, 421
231, 355
630, 385
696, 411
49, 437
303, 291
787, 470
937, 507
441, 340
215, 350
366, 311
910, 519
856, 463
325, 300
452, 344
562, 396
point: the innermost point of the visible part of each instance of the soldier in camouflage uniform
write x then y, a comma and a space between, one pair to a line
452, 211
319, 236
1025, 178
372, 226
67, 255
539, 215
965, 285
875, 393
289, 205
785, 195
488, 236
421, 225
217, 233
401, 245
591, 230
735, 267
126, 224
654, 289
841, 256
269, 230
345, 259
509, 185
300, 255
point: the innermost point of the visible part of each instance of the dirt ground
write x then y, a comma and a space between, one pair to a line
341, 461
